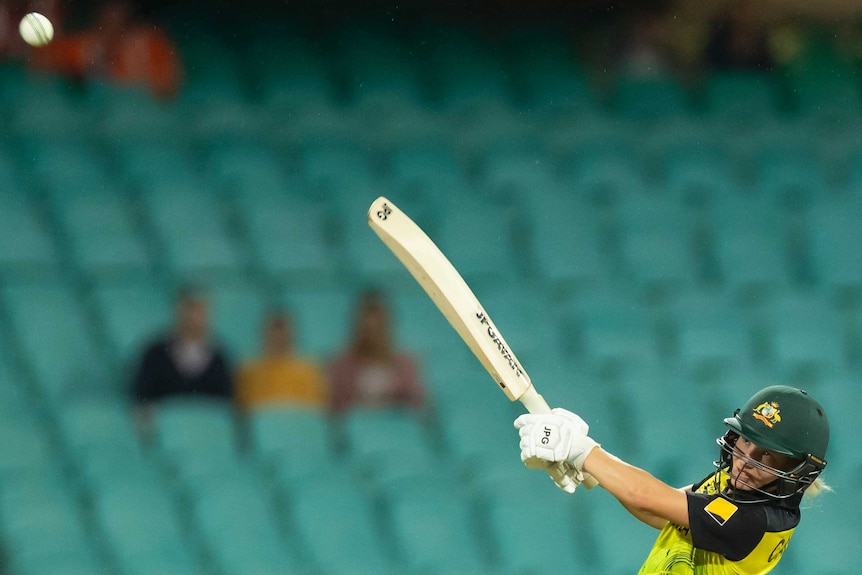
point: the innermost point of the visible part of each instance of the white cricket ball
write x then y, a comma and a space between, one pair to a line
36, 29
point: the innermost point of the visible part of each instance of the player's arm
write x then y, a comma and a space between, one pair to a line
643, 495
562, 437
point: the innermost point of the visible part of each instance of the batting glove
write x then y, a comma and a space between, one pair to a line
559, 436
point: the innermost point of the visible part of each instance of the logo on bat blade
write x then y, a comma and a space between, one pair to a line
383, 213
498, 341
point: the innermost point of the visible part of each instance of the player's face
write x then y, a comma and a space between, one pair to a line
744, 475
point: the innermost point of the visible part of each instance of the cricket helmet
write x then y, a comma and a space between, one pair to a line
783, 420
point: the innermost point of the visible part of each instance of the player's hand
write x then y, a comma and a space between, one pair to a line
559, 436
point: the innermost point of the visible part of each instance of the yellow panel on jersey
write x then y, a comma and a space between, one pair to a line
725, 537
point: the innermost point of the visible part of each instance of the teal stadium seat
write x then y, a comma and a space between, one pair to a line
698, 174
524, 523
238, 310
377, 440
186, 428
239, 529
602, 168
131, 314
551, 80
132, 116
485, 255
806, 335
658, 245
64, 168
711, 333
322, 318
103, 236
143, 165
332, 167
434, 530
612, 525
42, 523
741, 96
835, 237
192, 231
380, 67
250, 172
336, 524
566, 239
466, 70
26, 244
649, 97
288, 71
427, 168
45, 108
97, 424
611, 326
750, 244
292, 442
56, 339
139, 523
517, 174
791, 176
289, 241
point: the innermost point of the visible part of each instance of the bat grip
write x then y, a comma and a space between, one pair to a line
535, 403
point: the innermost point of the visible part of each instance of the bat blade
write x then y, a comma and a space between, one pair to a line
451, 294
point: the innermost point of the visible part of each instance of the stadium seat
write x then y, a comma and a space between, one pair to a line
187, 428
751, 246
132, 115
549, 77
520, 526
434, 529
95, 424
322, 318
649, 98
610, 326
485, 255
238, 311
710, 332
139, 521
331, 167
566, 241
132, 314
466, 70
378, 65
791, 177
806, 336
290, 241
146, 164
296, 440
612, 524
834, 238
26, 246
239, 529
193, 235
336, 524
102, 235
43, 316
658, 244
740, 96
377, 439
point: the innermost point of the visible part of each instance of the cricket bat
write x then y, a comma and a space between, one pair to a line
454, 298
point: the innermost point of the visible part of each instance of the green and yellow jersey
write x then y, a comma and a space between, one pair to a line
724, 537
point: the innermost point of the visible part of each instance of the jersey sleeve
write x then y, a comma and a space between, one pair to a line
719, 525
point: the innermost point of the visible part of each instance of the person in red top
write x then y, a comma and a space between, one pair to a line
117, 48
370, 372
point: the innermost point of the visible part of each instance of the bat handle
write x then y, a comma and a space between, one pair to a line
535, 403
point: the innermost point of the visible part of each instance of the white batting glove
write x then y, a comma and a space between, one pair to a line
559, 436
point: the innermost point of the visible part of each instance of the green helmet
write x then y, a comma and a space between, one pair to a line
783, 420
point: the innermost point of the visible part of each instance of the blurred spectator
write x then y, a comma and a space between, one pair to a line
370, 372
278, 376
739, 39
119, 48
185, 361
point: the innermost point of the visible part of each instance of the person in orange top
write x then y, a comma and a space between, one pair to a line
117, 48
278, 376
